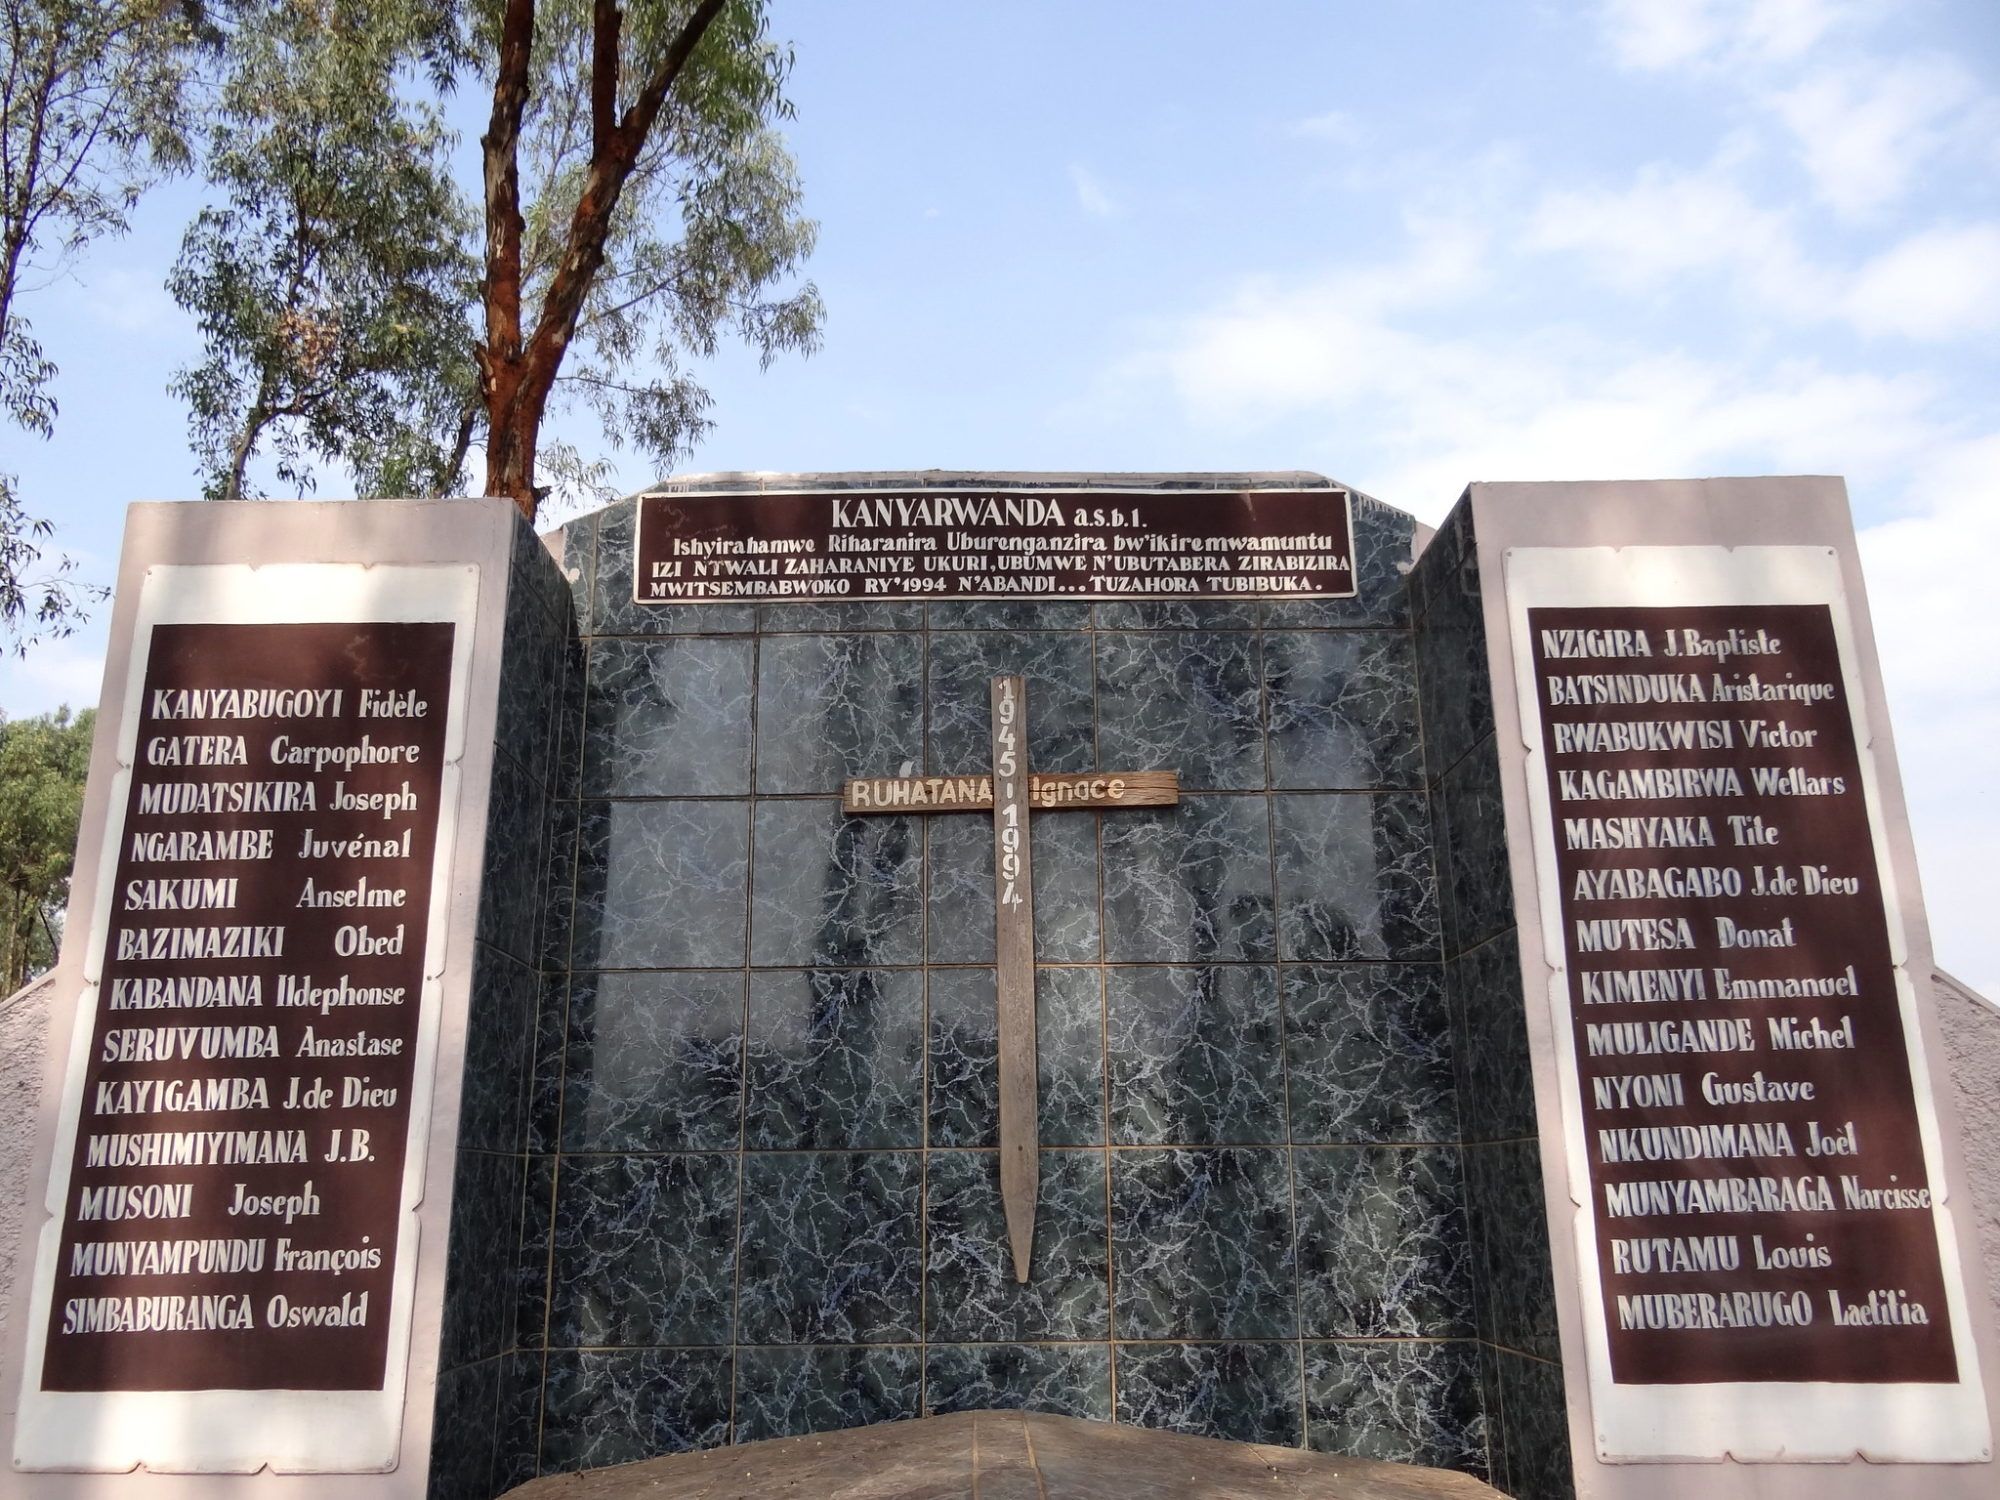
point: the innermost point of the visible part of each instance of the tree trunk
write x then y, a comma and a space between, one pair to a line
518, 369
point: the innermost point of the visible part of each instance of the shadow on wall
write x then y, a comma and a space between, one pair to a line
1971, 1026
24, 1025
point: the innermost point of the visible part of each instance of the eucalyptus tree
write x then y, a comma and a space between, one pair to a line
93, 108
332, 282
638, 208
661, 213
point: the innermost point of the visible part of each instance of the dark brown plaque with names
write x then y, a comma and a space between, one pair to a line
994, 545
234, 1196
1757, 1175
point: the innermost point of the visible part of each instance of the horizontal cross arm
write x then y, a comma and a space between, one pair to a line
1047, 792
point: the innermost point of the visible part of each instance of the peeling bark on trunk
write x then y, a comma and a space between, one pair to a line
517, 371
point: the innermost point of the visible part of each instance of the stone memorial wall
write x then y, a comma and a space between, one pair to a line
534, 1001
765, 1193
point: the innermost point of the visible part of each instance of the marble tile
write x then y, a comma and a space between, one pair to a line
834, 889
1510, 1240
661, 885
1455, 683
964, 1089
667, 719
534, 584
1070, 1380
1197, 1055
619, 1406
1061, 729
579, 564
1369, 1053
1537, 1419
478, 1312
811, 615
1187, 701
531, 666
461, 1461
999, 615
1342, 709
511, 869
499, 1048
644, 1250
787, 1391
568, 710
1190, 883
1063, 850
969, 1288
558, 886
1176, 614
1248, 1393
1482, 886
517, 1429
1383, 1249
612, 610
1496, 1423
1201, 1245
546, 1082
1496, 1087
533, 1269
1355, 879
834, 706
830, 1248
654, 1062
1405, 1401
834, 1058
1382, 538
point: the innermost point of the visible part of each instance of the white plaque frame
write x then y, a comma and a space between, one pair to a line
1750, 1421
239, 1431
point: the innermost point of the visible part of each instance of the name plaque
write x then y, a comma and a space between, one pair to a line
993, 545
229, 1205
1748, 1110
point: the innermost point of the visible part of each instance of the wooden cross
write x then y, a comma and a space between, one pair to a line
1011, 792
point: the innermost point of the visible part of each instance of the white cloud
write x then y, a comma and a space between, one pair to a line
1670, 222
1937, 284
1335, 127
1863, 133
1091, 194
1930, 592
1651, 35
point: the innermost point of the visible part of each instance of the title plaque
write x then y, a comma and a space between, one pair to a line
1747, 1107
229, 1228
993, 545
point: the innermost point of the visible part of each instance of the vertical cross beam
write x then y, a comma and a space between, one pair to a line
1014, 971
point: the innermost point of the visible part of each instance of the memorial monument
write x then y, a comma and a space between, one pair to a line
1460, 998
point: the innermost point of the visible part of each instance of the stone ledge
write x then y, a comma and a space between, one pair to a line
1000, 1455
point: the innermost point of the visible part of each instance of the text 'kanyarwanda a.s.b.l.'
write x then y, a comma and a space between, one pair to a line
994, 545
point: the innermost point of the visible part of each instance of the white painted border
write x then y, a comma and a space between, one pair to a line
1752, 1421
230, 1431
1346, 501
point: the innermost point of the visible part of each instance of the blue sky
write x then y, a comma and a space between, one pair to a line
1407, 245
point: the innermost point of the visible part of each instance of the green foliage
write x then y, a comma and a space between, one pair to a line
43, 762
333, 287
710, 226
41, 598
93, 107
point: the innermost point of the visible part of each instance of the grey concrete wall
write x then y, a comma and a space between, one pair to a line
24, 1022
1971, 1026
